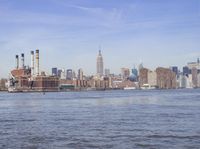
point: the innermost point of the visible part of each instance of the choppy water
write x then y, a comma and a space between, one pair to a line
106, 119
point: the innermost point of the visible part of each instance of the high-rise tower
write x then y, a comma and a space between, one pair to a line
100, 64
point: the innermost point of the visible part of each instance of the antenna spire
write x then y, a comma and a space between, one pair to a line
99, 49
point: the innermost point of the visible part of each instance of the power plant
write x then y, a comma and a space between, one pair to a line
29, 79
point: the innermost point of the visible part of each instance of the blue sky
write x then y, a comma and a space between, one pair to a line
68, 33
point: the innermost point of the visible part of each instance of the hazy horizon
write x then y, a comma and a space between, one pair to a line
68, 33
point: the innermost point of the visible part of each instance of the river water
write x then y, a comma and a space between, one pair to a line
105, 119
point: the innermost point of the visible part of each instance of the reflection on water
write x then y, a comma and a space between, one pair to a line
107, 119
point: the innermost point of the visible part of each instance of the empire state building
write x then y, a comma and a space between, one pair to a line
99, 64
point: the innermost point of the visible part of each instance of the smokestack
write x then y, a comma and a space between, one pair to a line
17, 61
22, 60
37, 61
32, 63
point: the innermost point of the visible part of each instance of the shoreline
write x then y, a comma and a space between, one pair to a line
84, 90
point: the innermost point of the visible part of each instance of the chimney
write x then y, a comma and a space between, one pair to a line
32, 63
37, 61
17, 61
22, 61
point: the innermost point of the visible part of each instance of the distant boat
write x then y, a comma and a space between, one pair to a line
147, 87
129, 88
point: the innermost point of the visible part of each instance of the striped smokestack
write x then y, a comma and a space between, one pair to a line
37, 61
32, 63
22, 61
17, 61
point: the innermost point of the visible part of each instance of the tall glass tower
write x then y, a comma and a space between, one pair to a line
100, 64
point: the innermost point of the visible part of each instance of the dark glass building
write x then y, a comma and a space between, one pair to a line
175, 69
54, 71
186, 70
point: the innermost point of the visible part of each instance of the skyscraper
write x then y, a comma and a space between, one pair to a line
59, 73
107, 72
134, 75
194, 72
125, 72
100, 64
80, 74
54, 71
69, 74
175, 69
186, 70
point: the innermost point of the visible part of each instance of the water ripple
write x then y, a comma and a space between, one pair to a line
103, 120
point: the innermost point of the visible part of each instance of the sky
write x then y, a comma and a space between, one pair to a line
68, 33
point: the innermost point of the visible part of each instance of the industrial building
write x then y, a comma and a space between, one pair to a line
28, 79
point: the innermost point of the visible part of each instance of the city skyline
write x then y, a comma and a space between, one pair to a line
130, 32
